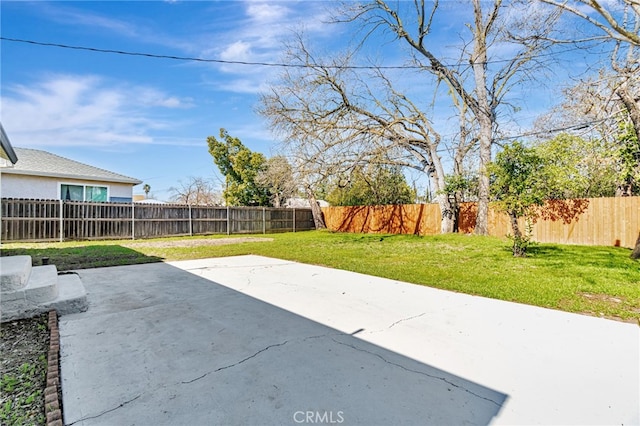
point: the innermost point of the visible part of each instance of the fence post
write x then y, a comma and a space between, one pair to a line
264, 220
61, 220
228, 221
133, 221
294, 219
190, 222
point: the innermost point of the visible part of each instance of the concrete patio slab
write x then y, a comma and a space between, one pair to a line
253, 340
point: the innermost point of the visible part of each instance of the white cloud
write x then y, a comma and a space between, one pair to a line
266, 12
258, 37
149, 97
71, 110
171, 102
238, 51
77, 17
139, 30
243, 85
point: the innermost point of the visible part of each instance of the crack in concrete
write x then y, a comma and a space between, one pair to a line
248, 284
407, 319
259, 352
105, 412
281, 283
236, 363
286, 284
382, 330
443, 379
253, 268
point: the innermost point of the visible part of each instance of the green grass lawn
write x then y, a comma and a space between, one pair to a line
600, 281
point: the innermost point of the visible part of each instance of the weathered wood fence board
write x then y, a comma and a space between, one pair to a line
601, 221
58, 220
592, 221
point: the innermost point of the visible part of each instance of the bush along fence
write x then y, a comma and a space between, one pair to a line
588, 221
60, 220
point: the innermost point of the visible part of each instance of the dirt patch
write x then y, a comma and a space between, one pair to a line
198, 242
24, 345
603, 298
602, 306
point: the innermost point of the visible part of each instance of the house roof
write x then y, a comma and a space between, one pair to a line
149, 201
34, 162
6, 150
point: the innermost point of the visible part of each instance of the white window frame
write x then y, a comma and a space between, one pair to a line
84, 189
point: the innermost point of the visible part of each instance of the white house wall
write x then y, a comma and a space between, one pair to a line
47, 188
120, 190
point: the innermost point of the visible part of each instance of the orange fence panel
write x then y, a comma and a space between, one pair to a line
592, 221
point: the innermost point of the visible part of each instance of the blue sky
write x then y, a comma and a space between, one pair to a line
142, 117
149, 118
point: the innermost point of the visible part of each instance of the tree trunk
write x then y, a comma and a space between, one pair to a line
448, 214
316, 211
482, 217
519, 248
635, 254
624, 190
483, 112
632, 106
448, 207
515, 227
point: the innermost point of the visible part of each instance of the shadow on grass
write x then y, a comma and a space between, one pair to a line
544, 250
615, 257
85, 257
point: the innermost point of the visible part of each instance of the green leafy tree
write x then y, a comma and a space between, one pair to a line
578, 167
519, 184
374, 185
240, 167
523, 179
595, 167
628, 156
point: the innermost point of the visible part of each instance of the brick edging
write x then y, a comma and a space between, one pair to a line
52, 403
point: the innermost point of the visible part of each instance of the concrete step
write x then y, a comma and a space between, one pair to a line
45, 290
14, 272
72, 296
42, 286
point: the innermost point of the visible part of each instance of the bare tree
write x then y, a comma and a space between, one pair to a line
627, 83
394, 127
333, 121
278, 177
620, 25
196, 191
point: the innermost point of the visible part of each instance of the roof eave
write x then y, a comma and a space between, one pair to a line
130, 181
5, 145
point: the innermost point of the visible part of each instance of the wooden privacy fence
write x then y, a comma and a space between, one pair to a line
590, 221
60, 220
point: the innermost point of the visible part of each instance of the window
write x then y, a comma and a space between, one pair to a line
72, 192
96, 193
83, 192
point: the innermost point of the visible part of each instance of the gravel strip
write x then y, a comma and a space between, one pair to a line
198, 242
